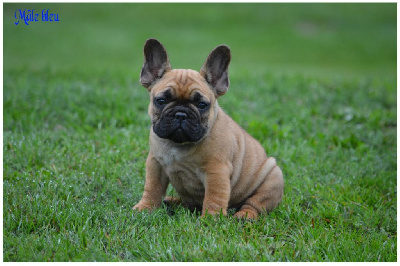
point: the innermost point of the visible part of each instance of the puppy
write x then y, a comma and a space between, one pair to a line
212, 163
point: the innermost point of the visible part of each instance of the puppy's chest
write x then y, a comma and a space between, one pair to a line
183, 170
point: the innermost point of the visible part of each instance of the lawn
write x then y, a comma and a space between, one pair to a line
314, 83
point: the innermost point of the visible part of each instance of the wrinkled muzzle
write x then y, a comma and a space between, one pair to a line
180, 124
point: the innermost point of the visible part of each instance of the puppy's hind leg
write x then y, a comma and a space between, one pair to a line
172, 201
265, 198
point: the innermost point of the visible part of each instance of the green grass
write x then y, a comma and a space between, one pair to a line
306, 81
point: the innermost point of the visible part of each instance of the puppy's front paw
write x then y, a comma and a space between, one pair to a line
211, 214
213, 210
142, 206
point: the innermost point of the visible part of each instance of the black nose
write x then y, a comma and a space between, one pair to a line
180, 116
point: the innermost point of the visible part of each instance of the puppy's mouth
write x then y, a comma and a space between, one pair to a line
180, 125
179, 135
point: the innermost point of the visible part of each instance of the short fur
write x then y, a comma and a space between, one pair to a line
212, 163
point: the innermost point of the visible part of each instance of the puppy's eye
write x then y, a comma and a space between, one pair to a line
202, 105
161, 101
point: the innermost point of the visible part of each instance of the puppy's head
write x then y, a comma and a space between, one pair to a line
183, 100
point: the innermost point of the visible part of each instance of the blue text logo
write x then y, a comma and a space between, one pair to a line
29, 15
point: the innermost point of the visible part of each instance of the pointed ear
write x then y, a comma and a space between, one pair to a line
215, 69
156, 63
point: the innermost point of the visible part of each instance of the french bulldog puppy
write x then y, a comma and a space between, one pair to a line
212, 163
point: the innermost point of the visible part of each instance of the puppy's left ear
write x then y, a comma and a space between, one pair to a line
215, 69
156, 63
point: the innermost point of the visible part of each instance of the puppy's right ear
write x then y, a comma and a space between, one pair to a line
156, 63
